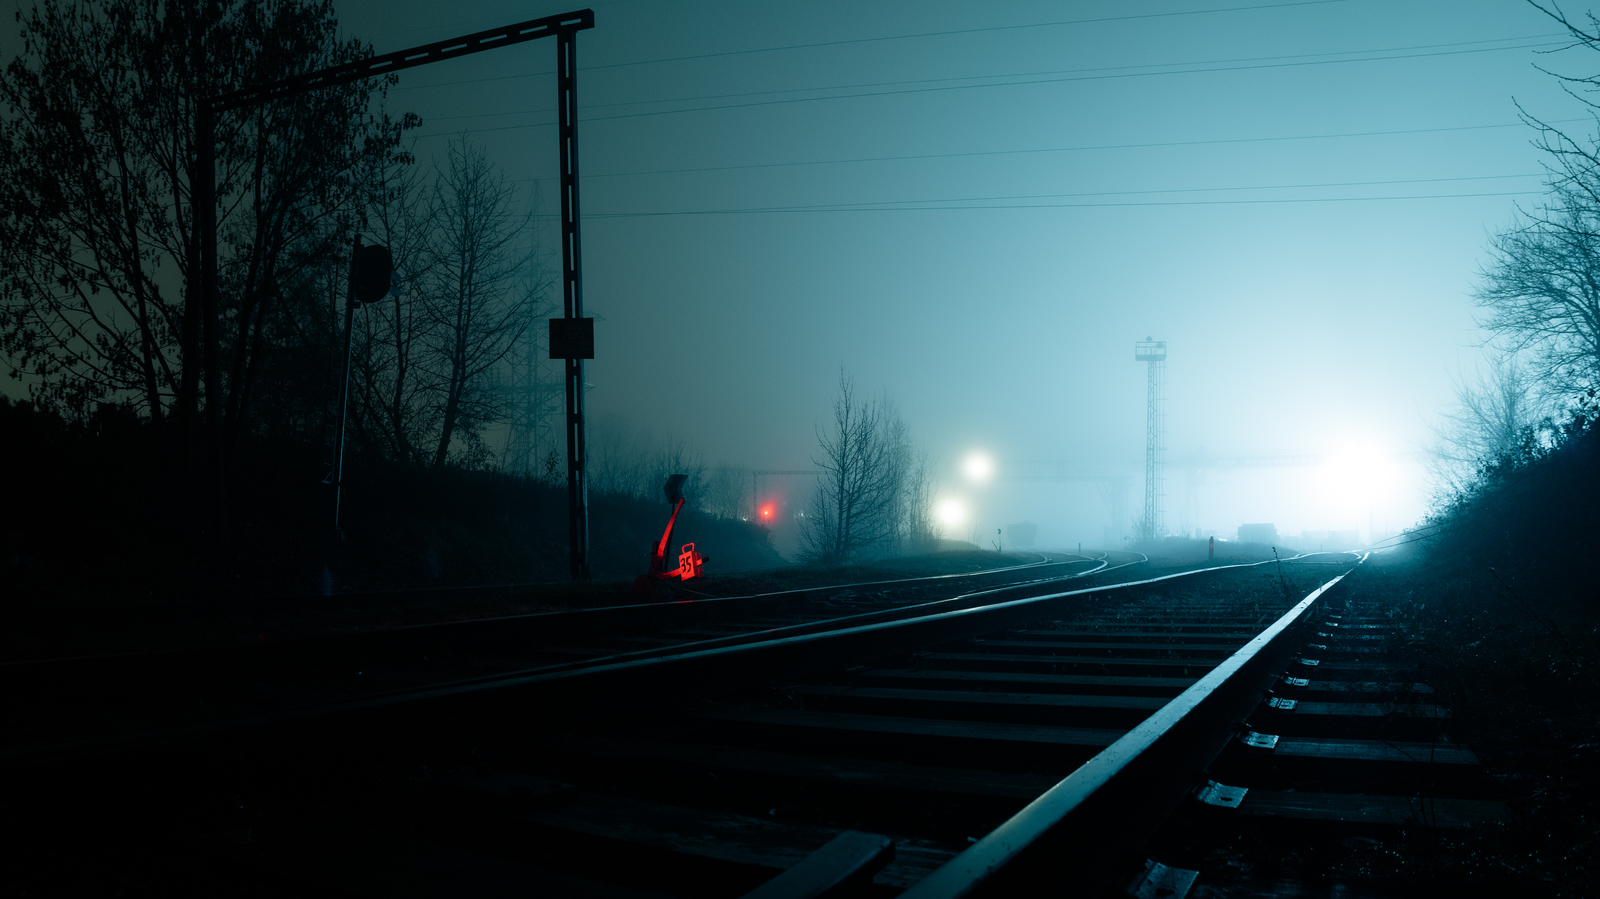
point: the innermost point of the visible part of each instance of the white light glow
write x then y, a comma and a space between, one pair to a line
1363, 465
951, 512
978, 467
1356, 477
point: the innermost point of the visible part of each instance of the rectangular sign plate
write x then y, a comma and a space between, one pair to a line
571, 338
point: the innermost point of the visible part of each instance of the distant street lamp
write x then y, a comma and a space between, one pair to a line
978, 467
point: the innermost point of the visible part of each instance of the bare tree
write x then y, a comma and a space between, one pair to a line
861, 474
1541, 290
1541, 293
1574, 163
533, 381
616, 453
388, 381
83, 313
96, 219
1492, 413
726, 493
671, 456
476, 313
920, 526
636, 462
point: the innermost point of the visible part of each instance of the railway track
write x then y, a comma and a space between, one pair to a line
1008, 741
86, 702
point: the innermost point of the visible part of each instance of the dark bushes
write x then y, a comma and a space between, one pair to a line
92, 515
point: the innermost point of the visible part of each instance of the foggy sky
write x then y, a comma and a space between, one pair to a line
1007, 205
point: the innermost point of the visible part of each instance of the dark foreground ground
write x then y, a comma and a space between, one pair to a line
1519, 670
1517, 665
285, 815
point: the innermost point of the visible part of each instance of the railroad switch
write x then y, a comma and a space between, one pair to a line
690, 563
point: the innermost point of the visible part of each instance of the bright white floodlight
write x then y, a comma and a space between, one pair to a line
951, 512
1358, 472
978, 467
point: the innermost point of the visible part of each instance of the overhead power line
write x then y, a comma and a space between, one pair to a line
1546, 38
858, 209
1076, 149
1068, 79
969, 31
905, 37
886, 204
909, 157
1014, 83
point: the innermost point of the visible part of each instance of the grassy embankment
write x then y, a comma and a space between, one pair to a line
1501, 606
97, 515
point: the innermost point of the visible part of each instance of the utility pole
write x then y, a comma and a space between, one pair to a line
335, 475
371, 276
1154, 353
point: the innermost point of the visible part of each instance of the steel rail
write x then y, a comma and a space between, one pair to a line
333, 653
825, 624
486, 590
591, 618
1086, 830
784, 656
606, 686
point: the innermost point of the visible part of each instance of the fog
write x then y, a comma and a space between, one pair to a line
976, 209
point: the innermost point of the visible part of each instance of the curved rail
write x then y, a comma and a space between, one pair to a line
588, 685
593, 617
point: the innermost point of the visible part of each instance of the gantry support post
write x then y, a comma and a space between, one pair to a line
572, 301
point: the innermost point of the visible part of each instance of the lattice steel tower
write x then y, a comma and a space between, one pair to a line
534, 394
1154, 353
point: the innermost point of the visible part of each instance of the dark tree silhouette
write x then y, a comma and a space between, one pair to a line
1541, 293
478, 305
858, 504
96, 219
390, 384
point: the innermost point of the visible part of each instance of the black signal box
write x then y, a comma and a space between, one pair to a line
372, 272
571, 338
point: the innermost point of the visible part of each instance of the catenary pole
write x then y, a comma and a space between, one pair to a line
572, 302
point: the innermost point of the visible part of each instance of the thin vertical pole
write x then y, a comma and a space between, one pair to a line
572, 296
344, 386
205, 204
